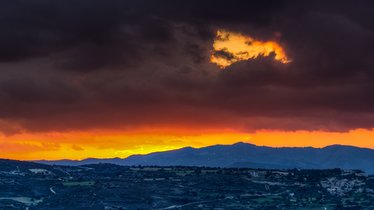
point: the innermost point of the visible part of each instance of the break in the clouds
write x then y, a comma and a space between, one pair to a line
75, 65
230, 47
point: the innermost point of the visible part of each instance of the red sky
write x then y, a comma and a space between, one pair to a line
107, 144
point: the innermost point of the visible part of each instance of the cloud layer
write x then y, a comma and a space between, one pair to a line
76, 65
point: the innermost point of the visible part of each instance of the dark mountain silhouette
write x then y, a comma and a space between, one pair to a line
251, 156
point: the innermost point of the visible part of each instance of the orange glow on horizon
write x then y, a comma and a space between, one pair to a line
101, 144
229, 48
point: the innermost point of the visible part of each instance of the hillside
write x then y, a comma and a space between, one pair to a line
251, 156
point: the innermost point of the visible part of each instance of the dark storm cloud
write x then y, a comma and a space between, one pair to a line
67, 65
41, 27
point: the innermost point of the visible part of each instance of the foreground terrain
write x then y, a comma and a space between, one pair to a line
25, 185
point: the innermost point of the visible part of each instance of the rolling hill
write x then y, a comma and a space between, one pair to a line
249, 155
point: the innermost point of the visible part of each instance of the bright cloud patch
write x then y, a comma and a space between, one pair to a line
229, 48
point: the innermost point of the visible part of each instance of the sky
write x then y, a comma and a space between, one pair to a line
94, 78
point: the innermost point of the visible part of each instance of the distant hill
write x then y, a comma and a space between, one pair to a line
251, 156
14, 167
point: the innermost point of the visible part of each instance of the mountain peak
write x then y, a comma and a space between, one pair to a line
240, 143
338, 146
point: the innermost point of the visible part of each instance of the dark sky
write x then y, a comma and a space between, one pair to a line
75, 65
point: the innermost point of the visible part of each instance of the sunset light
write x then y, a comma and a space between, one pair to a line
230, 47
188, 104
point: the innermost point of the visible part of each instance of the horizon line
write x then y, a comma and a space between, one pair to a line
239, 142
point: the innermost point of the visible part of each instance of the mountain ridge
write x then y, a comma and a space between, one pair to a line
247, 155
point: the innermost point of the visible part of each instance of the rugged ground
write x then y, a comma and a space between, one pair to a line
25, 185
